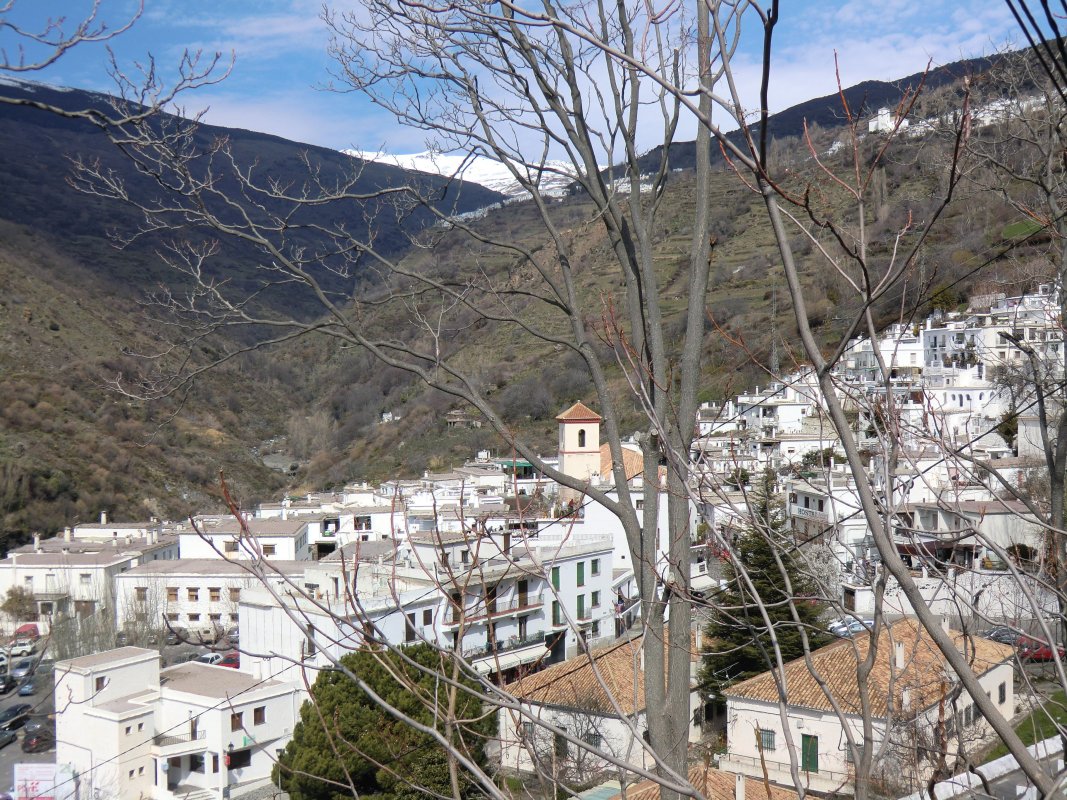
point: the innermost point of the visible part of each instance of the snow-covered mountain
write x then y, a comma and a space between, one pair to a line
476, 169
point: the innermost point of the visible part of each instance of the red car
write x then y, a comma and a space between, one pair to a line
1036, 650
232, 660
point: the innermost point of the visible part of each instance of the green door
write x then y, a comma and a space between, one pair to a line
809, 753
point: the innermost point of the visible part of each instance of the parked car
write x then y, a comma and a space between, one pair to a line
23, 668
847, 628
210, 658
176, 636
7, 737
22, 647
1030, 649
7, 683
231, 660
122, 639
234, 635
40, 723
38, 743
15, 716
205, 634
1003, 634
28, 688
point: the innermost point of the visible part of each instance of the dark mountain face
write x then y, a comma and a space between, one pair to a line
863, 100
36, 153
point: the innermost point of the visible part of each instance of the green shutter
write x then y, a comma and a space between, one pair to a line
809, 752
555, 578
581, 573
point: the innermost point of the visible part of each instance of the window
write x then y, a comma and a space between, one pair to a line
235, 595
194, 617
427, 616
140, 770
214, 594
142, 594
214, 762
640, 504
172, 594
527, 731
594, 631
196, 763
849, 754
215, 617
581, 606
235, 721
766, 739
594, 566
131, 774
592, 739
555, 578
172, 617
140, 727
269, 549
129, 729
240, 758
1002, 693
85, 577
229, 547
409, 628
561, 745
101, 682
581, 437
259, 715
194, 594
309, 641
595, 602
581, 573
557, 616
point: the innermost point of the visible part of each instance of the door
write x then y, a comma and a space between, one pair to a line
524, 591
809, 753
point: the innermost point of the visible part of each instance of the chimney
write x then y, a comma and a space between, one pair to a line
944, 624
37, 543
905, 699
739, 787
898, 655
103, 518
67, 534
129, 539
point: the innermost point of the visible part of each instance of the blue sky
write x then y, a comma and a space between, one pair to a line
281, 63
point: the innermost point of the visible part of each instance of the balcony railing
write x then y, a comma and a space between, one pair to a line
495, 609
511, 643
840, 778
169, 740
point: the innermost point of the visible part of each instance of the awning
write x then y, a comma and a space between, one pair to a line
505, 661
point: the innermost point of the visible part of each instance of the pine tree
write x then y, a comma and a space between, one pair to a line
738, 642
343, 736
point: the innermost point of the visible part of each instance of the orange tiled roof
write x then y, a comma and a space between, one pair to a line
573, 683
714, 784
925, 674
579, 412
632, 461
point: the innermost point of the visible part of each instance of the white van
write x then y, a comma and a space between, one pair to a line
205, 633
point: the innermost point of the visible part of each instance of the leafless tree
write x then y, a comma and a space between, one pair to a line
585, 82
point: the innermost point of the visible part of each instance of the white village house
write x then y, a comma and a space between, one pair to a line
914, 707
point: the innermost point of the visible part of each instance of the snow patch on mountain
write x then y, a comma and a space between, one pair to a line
491, 174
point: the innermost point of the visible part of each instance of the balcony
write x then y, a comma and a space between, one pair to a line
495, 609
510, 644
808, 513
176, 744
820, 780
